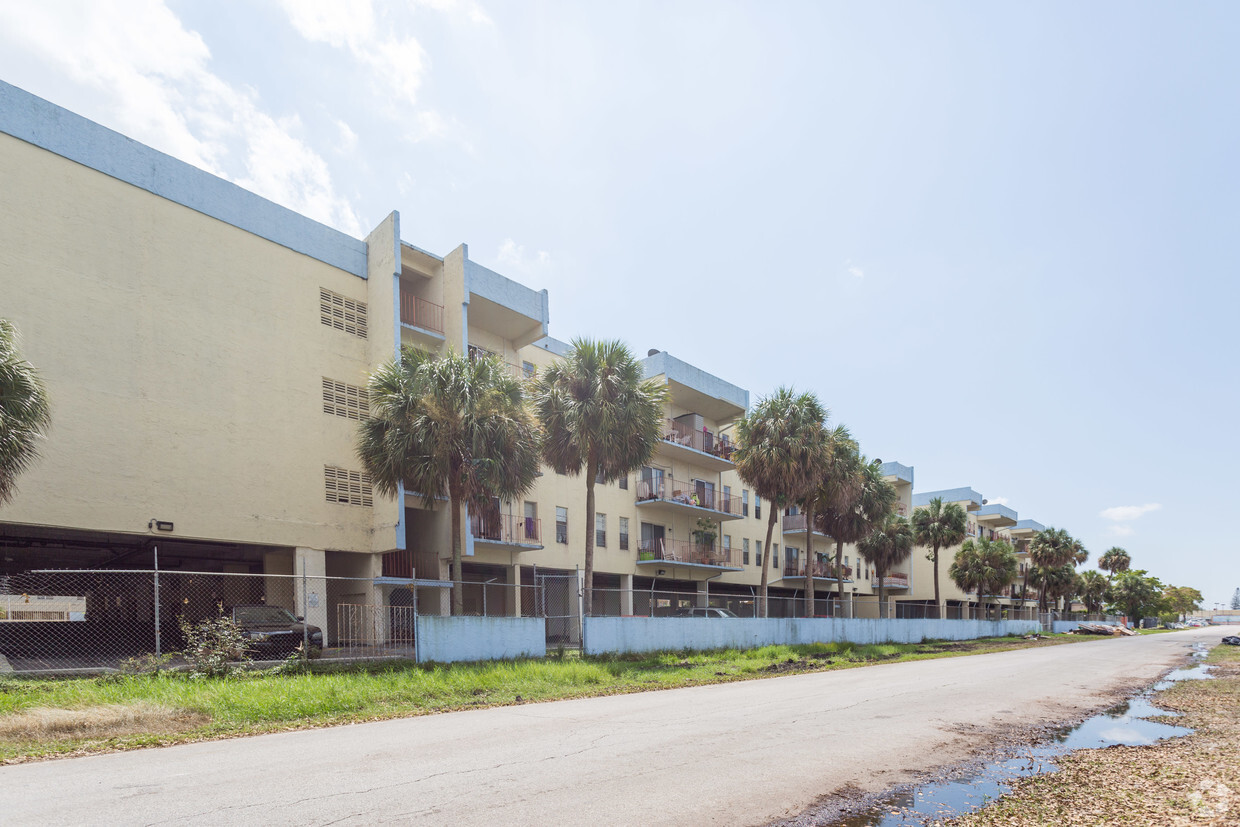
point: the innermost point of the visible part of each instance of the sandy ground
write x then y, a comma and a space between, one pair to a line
740, 753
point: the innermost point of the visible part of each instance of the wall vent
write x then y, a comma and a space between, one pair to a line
345, 400
342, 313
347, 487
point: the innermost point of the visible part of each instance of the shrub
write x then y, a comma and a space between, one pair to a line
213, 647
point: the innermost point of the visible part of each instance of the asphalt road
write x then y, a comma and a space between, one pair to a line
739, 753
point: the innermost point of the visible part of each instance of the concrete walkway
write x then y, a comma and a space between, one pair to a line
740, 753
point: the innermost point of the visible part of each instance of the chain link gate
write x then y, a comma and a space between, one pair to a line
556, 600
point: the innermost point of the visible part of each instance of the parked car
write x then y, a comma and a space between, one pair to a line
707, 612
273, 630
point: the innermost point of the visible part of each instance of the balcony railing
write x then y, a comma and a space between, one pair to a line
685, 551
796, 522
398, 563
820, 569
896, 580
509, 529
419, 312
670, 490
678, 433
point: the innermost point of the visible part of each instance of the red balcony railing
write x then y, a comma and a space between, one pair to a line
678, 433
696, 494
510, 529
398, 563
821, 569
895, 580
796, 522
684, 551
420, 313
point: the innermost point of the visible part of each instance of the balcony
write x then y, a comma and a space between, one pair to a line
687, 497
821, 571
506, 530
795, 524
698, 446
995, 515
895, 580
420, 313
686, 552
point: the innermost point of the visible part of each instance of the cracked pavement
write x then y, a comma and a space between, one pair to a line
738, 753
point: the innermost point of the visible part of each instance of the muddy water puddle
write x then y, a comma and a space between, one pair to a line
1127, 724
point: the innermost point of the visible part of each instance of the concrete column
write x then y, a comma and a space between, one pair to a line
445, 595
850, 598
703, 594
514, 590
626, 594
310, 591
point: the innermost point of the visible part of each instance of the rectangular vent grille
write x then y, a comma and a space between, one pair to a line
348, 401
341, 313
347, 487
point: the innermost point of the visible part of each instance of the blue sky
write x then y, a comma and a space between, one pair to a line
998, 240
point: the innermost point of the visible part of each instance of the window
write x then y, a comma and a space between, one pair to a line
341, 313
727, 499
623, 482
624, 533
744, 502
347, 487
757, 545
745, 551
600, 530
531, 522
599, 479
345, 400
757, 506
529, 370
727, 548
774, 555
561, 525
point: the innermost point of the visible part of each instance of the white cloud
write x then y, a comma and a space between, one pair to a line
1122, 530
855, 271
153, 82
348, 138
513, 258
1124, 513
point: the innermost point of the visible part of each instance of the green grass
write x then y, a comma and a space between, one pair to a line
265, 702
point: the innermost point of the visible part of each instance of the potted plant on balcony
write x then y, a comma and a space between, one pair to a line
705, 533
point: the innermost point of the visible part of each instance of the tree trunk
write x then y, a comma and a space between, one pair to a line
809, 564
882, 593
938, 603
458, 589
839, 573
766, 560
980, 605
591, 473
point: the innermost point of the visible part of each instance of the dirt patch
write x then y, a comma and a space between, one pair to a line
110, 721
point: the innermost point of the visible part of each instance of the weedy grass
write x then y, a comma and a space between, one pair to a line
45, 718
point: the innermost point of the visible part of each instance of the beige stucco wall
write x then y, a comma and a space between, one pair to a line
184, 359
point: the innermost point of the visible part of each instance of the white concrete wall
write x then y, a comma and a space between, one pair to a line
448, 639
646, 634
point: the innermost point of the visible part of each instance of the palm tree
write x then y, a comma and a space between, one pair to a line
1113, 561
939, 525
1053, 582
984, 566
886, 547
449, 426
601, 416
25, 414
778, 448
833, 480
1052, 548
858, 502
1091, 586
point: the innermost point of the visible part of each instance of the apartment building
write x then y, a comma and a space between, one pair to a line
207, 354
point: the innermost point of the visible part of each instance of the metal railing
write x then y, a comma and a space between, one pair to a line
686, 551
509, 529
895, 580
667, 489
704, 440
819, 569
419, 312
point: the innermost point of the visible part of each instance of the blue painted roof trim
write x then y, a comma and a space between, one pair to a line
36, 121
949, 495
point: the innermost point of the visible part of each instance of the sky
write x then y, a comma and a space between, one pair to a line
998, 240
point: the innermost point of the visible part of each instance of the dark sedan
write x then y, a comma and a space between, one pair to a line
272, 630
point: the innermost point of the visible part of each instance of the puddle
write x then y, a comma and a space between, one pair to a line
1127, 724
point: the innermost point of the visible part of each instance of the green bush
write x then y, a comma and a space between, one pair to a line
215, 647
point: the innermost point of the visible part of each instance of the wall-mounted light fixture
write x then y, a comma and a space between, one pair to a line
660, 572
159, 525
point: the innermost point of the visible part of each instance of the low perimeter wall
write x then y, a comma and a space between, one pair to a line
653, 634
446, 639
